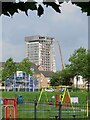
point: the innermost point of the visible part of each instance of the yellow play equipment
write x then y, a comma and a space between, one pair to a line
65, 99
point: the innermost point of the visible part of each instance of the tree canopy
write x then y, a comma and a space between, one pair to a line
79, 64
10, 67
9, 8
24, 66
78, 61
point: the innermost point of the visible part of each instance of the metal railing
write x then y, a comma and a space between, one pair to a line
50, 111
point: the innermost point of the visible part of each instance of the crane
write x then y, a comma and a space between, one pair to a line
60, 54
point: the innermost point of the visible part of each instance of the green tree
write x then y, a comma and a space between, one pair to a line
1, 73
8, 69
9, 8
55, 79
66, 76
79, 64
25, 66
61, 78
78, 61
86, 72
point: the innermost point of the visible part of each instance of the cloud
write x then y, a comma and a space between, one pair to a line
17, 52
0, 38
69, 27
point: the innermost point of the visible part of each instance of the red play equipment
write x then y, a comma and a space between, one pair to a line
58, 99
67, 100
64, 99
10, 108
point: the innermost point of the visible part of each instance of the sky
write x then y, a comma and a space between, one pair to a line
70, 28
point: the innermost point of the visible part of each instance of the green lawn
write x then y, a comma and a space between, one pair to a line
44, 110
31, 96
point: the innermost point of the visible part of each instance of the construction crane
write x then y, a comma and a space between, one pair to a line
60, 55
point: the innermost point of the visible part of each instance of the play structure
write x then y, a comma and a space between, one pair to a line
65, 98
21, 82
69, 104
45, 105
10, 108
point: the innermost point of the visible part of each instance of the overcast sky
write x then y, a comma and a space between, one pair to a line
70, 28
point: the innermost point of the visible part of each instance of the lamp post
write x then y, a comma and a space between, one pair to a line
60, 106
76, 81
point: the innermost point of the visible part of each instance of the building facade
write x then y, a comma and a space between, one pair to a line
40, 50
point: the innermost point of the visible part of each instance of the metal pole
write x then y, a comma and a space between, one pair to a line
14, 83
60, 105
77, 82
35, 105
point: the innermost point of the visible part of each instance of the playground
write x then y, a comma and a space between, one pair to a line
53, 105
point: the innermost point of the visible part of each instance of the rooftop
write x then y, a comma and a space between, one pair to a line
37, 38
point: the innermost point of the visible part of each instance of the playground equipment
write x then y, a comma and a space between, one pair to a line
21, 82
19, 99
58, 99
10, 106
43, 90
65, 98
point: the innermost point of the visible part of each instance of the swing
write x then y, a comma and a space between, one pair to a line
38, 101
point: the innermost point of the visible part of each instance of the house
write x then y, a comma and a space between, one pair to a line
88, 85
79, 82
42, 76
2, 87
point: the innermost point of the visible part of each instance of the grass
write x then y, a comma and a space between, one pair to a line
31, 96
44, 110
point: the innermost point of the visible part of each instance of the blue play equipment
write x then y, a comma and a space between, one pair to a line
19, 99
21, 81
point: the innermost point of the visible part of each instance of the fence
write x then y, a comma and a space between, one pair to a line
49, 110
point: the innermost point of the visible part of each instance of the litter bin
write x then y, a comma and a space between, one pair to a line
1, 101
19, 99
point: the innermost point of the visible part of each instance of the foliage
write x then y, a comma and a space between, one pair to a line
55, 79
8, 69
78, 61
85, 6
86, 72
79, 64
25, 66
66, 77
61, 78
1, 73
9, 8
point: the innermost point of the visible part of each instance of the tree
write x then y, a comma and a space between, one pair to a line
86, 72
55, 79
61, 78
8, 69
66, 77
9, 8
78, 62
25, 66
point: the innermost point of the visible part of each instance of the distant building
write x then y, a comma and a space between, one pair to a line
80, 83
40, 50
43, 77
